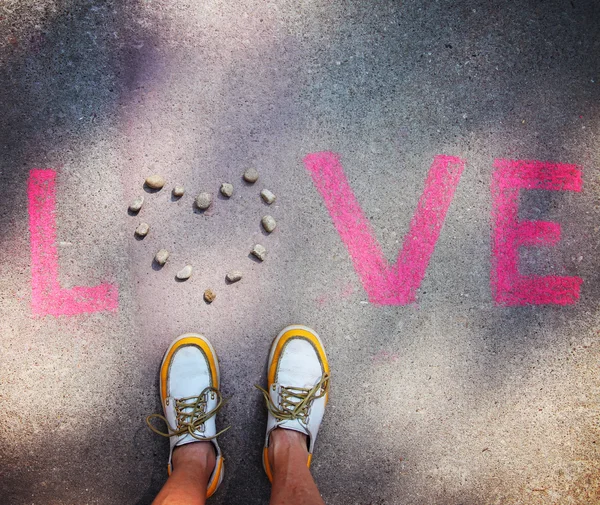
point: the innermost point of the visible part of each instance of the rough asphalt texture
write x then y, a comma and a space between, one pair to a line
451, 401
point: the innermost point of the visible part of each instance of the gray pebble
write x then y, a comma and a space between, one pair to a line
226, 189
268, 223
142, 230
178, 191
184, 273
204, 201
251, 175
234, 276
155, 182
161, 257
260, 252
136, 205
267, 196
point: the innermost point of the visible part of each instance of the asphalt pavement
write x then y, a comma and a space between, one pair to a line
464, 374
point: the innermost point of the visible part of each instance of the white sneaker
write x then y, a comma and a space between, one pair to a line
190, 396
297, 386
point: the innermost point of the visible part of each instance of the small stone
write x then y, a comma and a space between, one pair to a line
251, 175
155, 182
267, 196
268, 223
226, 189
260, 252
161, 257
142, 230
204, 201
209, 296
136, 205
178, 191
234, 276
184, 273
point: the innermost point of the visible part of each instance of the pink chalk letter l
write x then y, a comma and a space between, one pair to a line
387, 284
47, 297
509, 287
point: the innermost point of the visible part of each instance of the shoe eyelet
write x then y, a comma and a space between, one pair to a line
167, 402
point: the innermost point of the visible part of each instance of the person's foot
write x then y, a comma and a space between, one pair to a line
297, 388
197, 459
282, 443
190, 396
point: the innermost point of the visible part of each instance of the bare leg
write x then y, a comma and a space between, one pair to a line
192, 467
292, 482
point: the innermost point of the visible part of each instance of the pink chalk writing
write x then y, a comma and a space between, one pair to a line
509, 287
47, 297
386, 284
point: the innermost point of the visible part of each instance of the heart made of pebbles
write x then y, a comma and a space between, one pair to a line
203, 201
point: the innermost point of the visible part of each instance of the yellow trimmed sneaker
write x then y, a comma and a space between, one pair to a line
190, 396
297, 386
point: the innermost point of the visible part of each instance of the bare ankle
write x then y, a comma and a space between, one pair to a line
285, 445
287, 438
195, 457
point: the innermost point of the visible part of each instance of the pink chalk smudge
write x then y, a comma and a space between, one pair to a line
348, 290
341, 293
385, 357
386, 284
509, 287
47, 297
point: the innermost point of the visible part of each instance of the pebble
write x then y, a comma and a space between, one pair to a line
268, 223
234, 276
260, 252
227, 189
184, 273
209, 296
155, 181
251, 175
136, 205
142, 230
204, 201
161, 257
178, 191
267, 196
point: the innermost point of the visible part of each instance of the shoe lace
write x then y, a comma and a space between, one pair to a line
295, 402
191, 415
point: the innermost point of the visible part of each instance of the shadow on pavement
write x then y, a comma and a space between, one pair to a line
64, 82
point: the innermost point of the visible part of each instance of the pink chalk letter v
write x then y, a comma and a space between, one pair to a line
387, 284
47, 297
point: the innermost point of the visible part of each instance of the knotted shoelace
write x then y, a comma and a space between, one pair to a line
295, 402
191, 415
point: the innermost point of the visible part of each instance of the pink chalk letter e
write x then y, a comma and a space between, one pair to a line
47, 297
509, 287
387, 284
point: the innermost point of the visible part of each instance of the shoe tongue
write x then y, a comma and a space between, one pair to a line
171, 416
294, 424
186, 439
